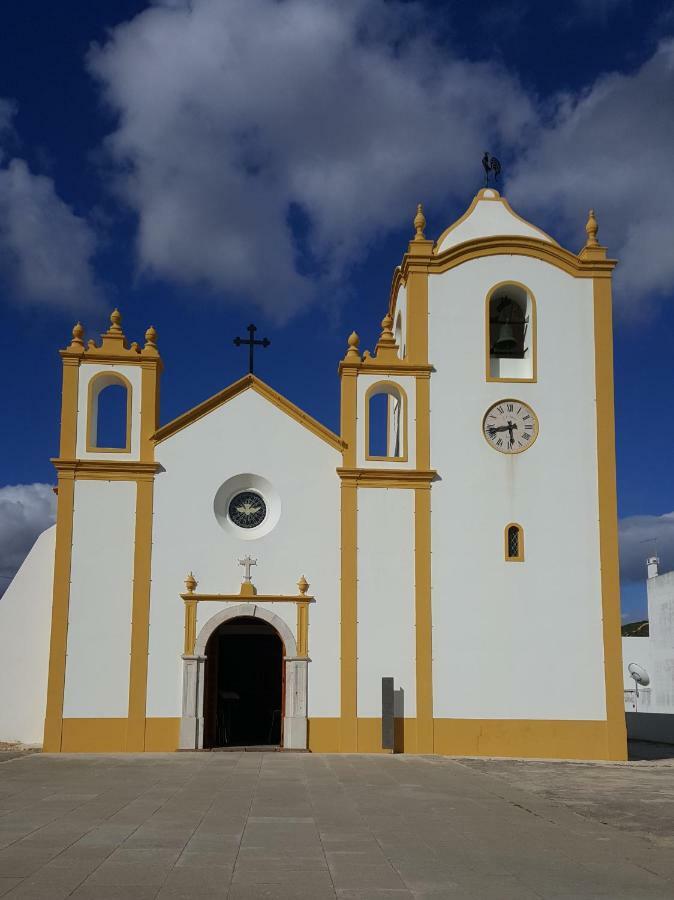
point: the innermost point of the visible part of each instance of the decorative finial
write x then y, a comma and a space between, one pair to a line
303, 585
592, 228
151, 337
115, 320
191, 583
386, 328
387, 349
420, 224
78, 334
353, 353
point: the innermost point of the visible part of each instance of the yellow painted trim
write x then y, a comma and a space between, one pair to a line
69, 391
106, 470
303, 629
520, 543
348, 731
140, 616
348, 415
521, 403
93, 393
423, 619
246, 383
103, 735
387, 478
423, 423
388, 388
523, 738
59, 614
149, 408
301, 600
94, 736
417, 308
534, 333
190, 626
608, 520
162, 735
497, 199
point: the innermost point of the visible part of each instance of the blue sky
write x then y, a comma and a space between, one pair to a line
203, 164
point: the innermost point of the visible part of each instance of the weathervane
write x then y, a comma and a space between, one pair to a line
252, 343
490, 164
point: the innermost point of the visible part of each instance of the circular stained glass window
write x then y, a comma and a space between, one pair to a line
247, 509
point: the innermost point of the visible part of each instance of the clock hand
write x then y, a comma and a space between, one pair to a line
492, 429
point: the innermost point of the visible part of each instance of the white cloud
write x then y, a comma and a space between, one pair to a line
611, 148
643, 536
45, 249
25, 511
232, 113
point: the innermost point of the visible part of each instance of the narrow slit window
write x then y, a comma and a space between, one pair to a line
514, 543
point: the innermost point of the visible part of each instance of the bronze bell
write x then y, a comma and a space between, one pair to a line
505, 342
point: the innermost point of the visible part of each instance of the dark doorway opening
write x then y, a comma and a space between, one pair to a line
243, 688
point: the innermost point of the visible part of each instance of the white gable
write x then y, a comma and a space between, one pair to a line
489, 215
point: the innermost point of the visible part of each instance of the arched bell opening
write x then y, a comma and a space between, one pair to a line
511, 333
243, 686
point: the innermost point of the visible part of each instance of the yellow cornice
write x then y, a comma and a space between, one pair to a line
233, 390
578, 266
393, 477
252, 598
105, 470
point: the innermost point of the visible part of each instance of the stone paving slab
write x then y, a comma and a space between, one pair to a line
268, 825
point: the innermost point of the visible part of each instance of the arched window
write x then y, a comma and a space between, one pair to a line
514, 543
385, 432
511, 333
109, 414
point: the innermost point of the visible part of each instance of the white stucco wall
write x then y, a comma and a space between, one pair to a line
25, 625
490, 217
638, 650
661, 629
386, 632
99, 619
400, 310
248, 434
506, 636
86, 373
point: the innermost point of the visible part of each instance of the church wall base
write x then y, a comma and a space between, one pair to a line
526, 738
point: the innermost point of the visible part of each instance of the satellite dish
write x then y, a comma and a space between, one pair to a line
639, 674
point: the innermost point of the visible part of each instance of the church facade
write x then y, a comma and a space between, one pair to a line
459, 534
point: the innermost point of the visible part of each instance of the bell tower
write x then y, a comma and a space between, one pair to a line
385, 514
104, 510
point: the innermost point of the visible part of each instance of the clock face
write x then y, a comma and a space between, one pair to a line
247, 509
510, 426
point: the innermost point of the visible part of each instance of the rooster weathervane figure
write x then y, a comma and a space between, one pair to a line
490, 164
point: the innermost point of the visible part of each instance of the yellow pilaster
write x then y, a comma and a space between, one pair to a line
348, 740
149, 407
423, 618
140, 616
608, 520
53, 725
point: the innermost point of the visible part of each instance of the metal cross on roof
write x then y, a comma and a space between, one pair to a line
252, 343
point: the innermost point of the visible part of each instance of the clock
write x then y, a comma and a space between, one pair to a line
510, 426
247, 509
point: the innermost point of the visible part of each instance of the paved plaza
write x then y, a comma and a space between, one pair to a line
282, 825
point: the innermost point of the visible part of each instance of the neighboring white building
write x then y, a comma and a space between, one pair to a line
469, 551
654, 654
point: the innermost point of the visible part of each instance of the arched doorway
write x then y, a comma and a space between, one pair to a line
295, 679
243, 687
